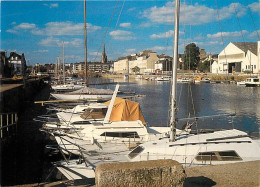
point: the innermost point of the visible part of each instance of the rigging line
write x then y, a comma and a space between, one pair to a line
220, 28
106, 30
243, 38
250, 12
116, 24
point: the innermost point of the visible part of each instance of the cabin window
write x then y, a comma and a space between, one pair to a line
121, 134
254, 66
256, 80
203, 156
246, 66
135, 152
218, 156
228, 155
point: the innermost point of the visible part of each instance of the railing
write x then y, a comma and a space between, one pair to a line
8, 124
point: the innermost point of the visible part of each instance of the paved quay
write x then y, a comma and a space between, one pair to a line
227, 175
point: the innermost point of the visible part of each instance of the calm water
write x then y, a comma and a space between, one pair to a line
199, 100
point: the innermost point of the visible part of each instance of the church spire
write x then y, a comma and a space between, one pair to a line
104, 56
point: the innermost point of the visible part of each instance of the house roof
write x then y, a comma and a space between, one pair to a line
245, 46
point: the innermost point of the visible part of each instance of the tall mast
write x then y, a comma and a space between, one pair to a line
174, 72
85, 34
63, 60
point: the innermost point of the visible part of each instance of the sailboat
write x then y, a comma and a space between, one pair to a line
86, 92
216, 147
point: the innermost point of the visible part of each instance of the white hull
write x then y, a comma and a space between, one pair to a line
76, 97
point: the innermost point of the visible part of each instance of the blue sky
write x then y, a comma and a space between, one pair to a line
37, 28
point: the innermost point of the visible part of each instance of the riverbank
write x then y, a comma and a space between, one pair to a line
211, 76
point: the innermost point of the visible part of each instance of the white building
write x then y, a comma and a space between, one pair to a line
238, 57
145, 61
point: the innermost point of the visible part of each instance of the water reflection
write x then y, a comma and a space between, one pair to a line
199, 100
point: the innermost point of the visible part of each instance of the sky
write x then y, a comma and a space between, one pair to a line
38, 28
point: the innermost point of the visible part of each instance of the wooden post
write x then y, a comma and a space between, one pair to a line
7, 122
1, 126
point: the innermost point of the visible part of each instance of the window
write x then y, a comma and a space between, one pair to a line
121, 134
218, 156
135, 152
254, 66
203, 156
246, 66
81, 122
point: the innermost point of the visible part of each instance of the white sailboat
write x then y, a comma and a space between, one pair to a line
219, 147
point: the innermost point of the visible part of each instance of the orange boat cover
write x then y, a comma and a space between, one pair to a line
126, 110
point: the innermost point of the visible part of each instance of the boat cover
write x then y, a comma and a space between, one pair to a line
126, 110
88, 90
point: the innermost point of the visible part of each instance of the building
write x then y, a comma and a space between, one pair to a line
145, 60
164, 64
96, 67
18, 62
239, 57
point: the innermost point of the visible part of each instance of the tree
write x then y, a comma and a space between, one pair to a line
136, 69
191, 57
205, 66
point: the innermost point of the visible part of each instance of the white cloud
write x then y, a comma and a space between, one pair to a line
95, 53
255, 7
167, 34
12, 31
145, 25
255, 34
25, 26
131, 9
13, 23
161, 48
130, 51
207, 43
53, 5
50, 41
64, 28
56, 28
125, 25
227, 34
194, 14
121, 35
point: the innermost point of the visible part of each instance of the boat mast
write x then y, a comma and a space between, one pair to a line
85, 35
63, 60
173, 112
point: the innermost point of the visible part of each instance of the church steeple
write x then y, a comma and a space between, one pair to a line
104, 56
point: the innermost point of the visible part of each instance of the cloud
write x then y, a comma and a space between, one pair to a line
161, 48
56, 28
167, 34
145, 25
207, 43
227, 34
194, 14
54, 5
95, 53
125, 25
130, 51
12, 31
13, 23
131, 9
64, 28
255, 7
52, 42
121, 35
255, 34
25, 26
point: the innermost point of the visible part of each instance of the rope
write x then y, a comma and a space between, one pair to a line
106, 30
220, 28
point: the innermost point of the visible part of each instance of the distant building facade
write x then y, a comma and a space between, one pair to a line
19, 63
164, 64
145, 61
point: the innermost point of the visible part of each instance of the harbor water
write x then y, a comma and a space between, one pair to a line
198, 100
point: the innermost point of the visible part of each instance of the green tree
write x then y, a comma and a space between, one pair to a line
191, 57
205, 66
136, 69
